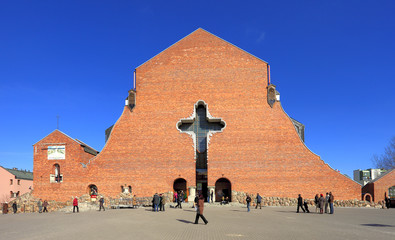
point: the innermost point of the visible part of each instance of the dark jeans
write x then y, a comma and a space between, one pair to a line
102, 206
45, 209
300, 206
248, 206
260, 206
197, 218
331, 207
162, 207
74, 207
178, 204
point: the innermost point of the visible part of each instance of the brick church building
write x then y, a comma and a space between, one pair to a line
202, 116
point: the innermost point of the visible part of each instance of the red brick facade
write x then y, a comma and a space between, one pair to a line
379, 188
259, 150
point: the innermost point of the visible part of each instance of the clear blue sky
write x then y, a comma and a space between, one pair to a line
332, 61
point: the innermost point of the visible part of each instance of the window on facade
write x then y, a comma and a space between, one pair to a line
14, 194
56, 177
391, 192
19, 182
11, 181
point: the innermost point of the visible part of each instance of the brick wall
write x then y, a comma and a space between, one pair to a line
258, 151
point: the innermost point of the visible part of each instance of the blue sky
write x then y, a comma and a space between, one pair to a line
332, 61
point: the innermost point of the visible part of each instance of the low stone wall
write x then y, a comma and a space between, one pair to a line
240, 197
27, 203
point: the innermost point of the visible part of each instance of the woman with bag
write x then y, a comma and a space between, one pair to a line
199, 212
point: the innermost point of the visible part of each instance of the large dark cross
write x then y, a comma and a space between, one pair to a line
201, 126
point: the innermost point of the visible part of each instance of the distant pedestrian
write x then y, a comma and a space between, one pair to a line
175, 197
331, 200
162, 203
212, 196
199, 212
40, 206
75, 205
387, 202
179, 200
134, 202
300, 203
45, 205
248, 200
195, 202
326, 202
155, 202
316, 202
14, 207
258, 201
101, 204
321, 203
5, 208
305, 206
208, 196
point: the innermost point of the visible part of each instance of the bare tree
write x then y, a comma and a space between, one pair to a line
387, 159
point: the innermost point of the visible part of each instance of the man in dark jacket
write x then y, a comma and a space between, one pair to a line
331, 199
199, 212
156, 201
14, 207
248, 200
300, 203
101, 204
258, 201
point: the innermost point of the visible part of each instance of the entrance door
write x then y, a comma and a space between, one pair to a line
223, 188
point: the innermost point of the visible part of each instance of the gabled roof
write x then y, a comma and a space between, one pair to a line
382, 175
84, 145
201, 29
20, 174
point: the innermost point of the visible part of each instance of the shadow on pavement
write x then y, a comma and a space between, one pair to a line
189, 210
377, 225
184, 221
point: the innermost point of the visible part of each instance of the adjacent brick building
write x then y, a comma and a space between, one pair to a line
202, 115
381, 187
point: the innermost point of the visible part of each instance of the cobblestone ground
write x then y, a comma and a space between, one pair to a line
225, 222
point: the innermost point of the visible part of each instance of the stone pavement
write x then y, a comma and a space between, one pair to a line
225, 222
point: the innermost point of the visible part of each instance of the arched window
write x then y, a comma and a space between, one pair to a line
58, 176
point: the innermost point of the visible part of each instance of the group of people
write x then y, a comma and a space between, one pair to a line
42, 205
158, 202
179, 197
322, 203
258, 200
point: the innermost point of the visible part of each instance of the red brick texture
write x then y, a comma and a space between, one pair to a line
258, 151
380, 187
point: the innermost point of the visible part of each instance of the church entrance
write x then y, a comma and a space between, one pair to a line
223, 188
180, 184
200, 127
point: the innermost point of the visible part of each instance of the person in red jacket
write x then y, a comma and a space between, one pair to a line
75, 204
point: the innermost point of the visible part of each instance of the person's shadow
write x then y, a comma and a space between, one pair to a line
184, 221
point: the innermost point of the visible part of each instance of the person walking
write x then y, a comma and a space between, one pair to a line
300, 204
160, 202
14, 207
155, 202
101, 204
331, 199
212, 196
199, 212
326, 202
180, 199
321, 203
40, 206
45, 205
208, 196
305, 206
248, 200
258, 201
75, 205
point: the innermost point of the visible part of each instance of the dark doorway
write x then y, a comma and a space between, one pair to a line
223, 188
92, 190
180, 184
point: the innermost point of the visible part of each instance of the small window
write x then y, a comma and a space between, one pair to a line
19, 182
11, 181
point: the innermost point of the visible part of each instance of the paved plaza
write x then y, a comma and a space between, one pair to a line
225, 222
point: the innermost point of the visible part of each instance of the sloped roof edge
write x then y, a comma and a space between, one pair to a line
75, 140
382, 175
209, 33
